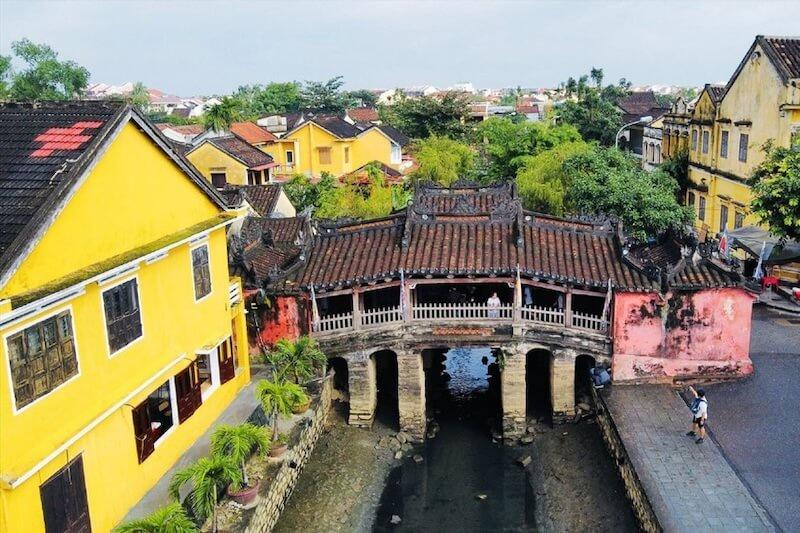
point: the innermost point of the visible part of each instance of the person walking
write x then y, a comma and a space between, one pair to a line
699, 410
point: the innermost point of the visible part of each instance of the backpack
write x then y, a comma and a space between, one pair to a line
695, 407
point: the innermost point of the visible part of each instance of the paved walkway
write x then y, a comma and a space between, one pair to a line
691, 486
238, 411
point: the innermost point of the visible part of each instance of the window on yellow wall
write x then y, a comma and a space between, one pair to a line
346, 154
694, 139
690, 199
723, 144
701, 210
723, 217
324, 154
738, 220
743, 140
705, 142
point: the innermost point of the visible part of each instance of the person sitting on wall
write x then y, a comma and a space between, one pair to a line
493, 303
699, 410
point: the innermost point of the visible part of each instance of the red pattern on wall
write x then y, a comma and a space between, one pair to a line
70, 138
285, 319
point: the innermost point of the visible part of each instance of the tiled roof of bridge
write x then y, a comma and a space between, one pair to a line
579, 252
460, 200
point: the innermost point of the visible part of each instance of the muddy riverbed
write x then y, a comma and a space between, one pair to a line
463, 479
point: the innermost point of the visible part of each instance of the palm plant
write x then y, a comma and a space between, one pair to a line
277, 398
302, 358
207, 477
220, 116
169, 519
239, 443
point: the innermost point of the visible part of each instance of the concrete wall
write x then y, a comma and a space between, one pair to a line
284, 319
685, 335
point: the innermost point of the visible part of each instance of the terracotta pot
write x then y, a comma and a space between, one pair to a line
278, 450
246, 496
301, 408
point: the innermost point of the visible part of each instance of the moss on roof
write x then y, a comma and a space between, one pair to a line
96, 269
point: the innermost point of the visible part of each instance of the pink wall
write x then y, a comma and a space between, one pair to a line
684, 334
285, 319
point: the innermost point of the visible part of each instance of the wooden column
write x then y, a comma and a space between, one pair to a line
356, 309
568, 309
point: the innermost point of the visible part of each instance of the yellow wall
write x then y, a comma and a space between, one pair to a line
755, 95
138, 194
207, 158
174, 327
370, 146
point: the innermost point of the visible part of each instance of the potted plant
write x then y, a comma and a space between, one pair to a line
277, 399
279, 446
169, 519
300, 402
301, 359
207, 478
239, 443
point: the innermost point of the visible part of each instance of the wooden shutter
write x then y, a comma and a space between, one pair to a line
64, 502
145, 439
226, 370
187, 389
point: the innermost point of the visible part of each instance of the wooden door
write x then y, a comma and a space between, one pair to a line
64, 503
187, 389
226, 354
145, 440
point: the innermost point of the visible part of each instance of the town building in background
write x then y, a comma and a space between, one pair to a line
634, 107
652, 143
122, 333
675, 128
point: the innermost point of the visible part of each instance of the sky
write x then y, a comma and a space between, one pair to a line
210, 47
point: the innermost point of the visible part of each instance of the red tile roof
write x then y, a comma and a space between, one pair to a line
241, 150
252, 133
363, 114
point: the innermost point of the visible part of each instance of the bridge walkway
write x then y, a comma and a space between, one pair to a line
690, 487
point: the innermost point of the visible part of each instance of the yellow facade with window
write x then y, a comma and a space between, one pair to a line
210, 160
97, 318
726, 138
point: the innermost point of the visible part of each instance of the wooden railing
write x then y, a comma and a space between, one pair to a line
371, 318
587, 321
447, 311
543, 315
380, 316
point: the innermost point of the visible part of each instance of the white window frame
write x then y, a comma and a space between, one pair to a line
192, 248
399, 150
173, 405
20, 327
213, 364
107, 288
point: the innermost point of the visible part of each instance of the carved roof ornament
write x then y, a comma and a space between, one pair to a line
463, 206
464, 183
505, 210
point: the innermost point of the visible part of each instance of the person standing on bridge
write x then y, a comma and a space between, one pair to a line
699, 410
493, 303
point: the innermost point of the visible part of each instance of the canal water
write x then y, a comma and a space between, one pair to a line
466, 482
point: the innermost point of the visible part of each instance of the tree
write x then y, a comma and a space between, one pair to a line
442, 160
594, 111
139, 97
325, 97
677, 166
776, 191
5, 77
45, 78
507, 144
608, 181
239, 443
363, 98
375, 199
278, 398
425, 116
272, 99
301, 358
303, 193
220, 116
207, 478
542, 182
169, 519
597, 77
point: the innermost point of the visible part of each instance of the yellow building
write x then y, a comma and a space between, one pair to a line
326, 143
730, 124
121, 333
229, 159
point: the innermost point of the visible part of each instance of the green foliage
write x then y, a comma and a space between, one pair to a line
426, 116
442, 160
301, 359
239, 443
169, 519
375, 199
278, 398
271, 99
5, 77
666, 100
304, 193
220, 117
139, 97
175, 120
325, 97
541, 181
593, 110
362, 98
605, 180
207, 478
776, 191
678, 167
45, 77
507, 143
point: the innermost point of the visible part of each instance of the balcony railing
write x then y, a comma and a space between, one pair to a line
235, 292
428, 312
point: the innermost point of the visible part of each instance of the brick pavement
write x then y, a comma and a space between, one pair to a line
691, 487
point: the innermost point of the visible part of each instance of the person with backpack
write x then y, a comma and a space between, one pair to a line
699, 408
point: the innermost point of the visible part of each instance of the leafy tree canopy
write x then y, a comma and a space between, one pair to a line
541, 181
139, 97
273, 98
325, 97
605, 180
425, 116
776, 191
593, 109
507, 143
219, 117
362, 98
442, 160
363, 201
44, 77
5, 77
304, 193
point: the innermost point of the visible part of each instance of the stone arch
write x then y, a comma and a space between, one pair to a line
341, 379
583, 364
387, 380
539, 383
